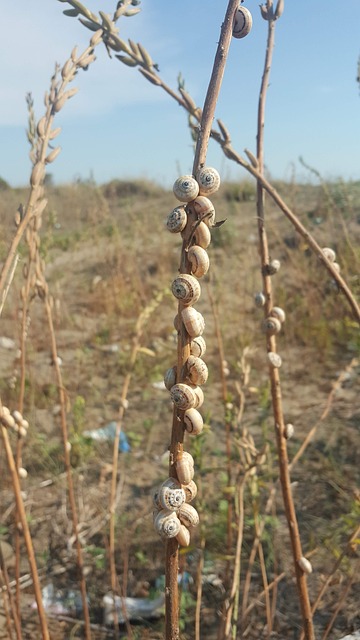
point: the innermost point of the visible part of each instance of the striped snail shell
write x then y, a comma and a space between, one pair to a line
167, 524
204, 210
202, 235
305, 565
271, 326
259, 299
170, 377
183, 396
171, 499
183, 537
190, 491
199, 395
208, 180
193, 321
193, 421
242, 23
329, 254
277, 312
176, 220
199, 261
197, 345
197, 370
273, 267
172, 483
185, 188
186, 289
188, 515
184, 470
274, 359
156, 500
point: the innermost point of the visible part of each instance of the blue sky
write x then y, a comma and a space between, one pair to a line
121, 126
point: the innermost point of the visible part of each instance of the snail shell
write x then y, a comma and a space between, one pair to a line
156, 500
186, 289
242, 23
183, 396
199, 395
183, 537
336, 266
329, 254
167, 524
188, 515
204, 210
208, 180
171, 499
289, 431
199, 260
190, 491
271, 326
194, 423
305, 565
259, 299
197, 370
274, 359
185, 188
184, 470
170, 377
193, 321
202, 235
176, 220
277, 312
197, 346
273, 267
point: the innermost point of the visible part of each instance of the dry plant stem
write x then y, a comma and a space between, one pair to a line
233, 610
199, 572
183, 351
342, 599
26, 533
8, 597
8, 283
5, 599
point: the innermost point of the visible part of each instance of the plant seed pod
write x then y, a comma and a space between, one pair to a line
37, 174
197, 345
186, 289
208, 180
305, 565
190, 491
167, 524
193, 421
199, 261
271, 326
183, 396
202, 235
176, 220
242, 23
277, 312
170, 378
193, 321
329, 254
188, 515
289, 431
274, 359
197, 371
52, 155
259, 299
183, 537
171, 499
184, 470
185, 188
203, 209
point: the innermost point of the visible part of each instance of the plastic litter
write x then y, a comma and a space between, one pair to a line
108, 433
136, 608
61, 602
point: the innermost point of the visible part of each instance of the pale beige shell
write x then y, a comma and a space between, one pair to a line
305, 565
329, 254
208, 180
170, 377
172, 483
242, 23
193, 421
184, 470
167, 524
187, 456
176, 323
171, 499
289, 431
183, 537
273, 267
274, 359
185, 188
199, 395
190, 491
204, 210
277, 312
336, 266
199, 260
186, 289
193, 320
188, 515
202, 235
156, 499
271, 326
176, 220
183, 396
259, 299
198, 346
196, 370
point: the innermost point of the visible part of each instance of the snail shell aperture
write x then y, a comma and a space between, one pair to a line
208, 180
204, 210
242, 23
183, 396
167, 524
271, 326
199, 260
185, 188
176, 220
188, 515
197, 370
193, 321
193, 421
186, 289
190, 491
197, 345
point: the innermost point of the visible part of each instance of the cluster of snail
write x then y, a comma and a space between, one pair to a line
173, 513
14, 421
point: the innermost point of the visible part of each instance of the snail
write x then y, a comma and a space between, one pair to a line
242, 23
188, 515
277, 312
208, 180
289, 431
305, 565
170, 377
199, 261
197, 371
183, 396
271, 326
183, 537
329, 254
197, 345
184, 470
259, 299
193, 321
185, 188
167, 524
199, 395
176, 220
193, 421
190, 491
186, 289
203, 209
336, 266
274, 359
273, 267
202, 235
171, 499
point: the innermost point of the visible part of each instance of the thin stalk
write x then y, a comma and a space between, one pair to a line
341, 601
7, 594
199, 572
5, 599
233, 610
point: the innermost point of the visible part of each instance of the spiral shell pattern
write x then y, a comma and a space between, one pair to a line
167, 524
193, 321
190, 491
193, 421
271, 326
186, 188
209, 181
171, 499
188, 515
242, 23
198, 346
186, 289
199, 261
176, 220
197, 370
183, 396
